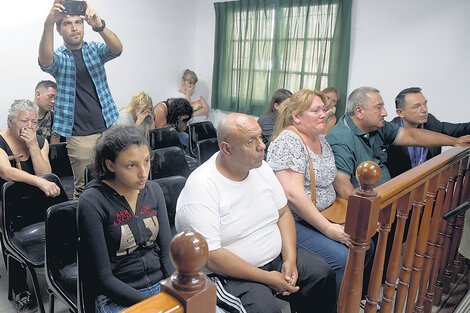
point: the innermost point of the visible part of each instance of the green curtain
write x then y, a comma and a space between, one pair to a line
264, 45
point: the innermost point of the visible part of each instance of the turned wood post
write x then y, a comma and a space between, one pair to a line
189, 253
361, 223
422, 241
460, 220
426, 290
453, 234
443, 239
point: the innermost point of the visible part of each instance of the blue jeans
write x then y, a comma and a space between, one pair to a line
105, 305
184, 139
333, 252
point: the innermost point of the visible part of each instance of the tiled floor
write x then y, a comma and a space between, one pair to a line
7, 306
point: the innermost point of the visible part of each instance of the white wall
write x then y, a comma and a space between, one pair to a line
395, 44
157, 36
425, 43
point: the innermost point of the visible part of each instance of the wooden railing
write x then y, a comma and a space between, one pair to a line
188, 289
418, 275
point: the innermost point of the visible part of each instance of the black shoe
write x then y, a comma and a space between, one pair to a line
25, 303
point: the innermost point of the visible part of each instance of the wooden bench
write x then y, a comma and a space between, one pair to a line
188, 289
421, 271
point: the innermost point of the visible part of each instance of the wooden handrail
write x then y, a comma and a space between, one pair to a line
160, 303
419, 270
408, 181
188, 289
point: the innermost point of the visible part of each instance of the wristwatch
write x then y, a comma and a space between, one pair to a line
100, 29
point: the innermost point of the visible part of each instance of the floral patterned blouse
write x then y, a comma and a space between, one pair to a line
287, 151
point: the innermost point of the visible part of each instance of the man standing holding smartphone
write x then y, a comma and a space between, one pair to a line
84, 107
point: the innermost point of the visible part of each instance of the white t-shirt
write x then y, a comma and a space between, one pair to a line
195, 103
238, 216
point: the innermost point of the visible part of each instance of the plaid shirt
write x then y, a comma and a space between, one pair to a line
63, 69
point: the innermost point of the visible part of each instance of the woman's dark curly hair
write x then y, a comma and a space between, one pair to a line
178, 107
111, 144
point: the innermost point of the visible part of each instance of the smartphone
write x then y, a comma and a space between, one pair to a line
74, 7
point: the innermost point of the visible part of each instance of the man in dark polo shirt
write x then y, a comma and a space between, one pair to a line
362, 134
412, 110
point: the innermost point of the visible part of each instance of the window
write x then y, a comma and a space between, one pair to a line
265, 45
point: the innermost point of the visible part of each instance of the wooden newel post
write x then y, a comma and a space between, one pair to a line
361, 224
189, 253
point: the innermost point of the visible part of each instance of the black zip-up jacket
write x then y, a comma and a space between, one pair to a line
119, 250
398, 156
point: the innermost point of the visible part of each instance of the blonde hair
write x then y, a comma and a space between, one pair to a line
331, 89
139, 102
298, 103
190, 76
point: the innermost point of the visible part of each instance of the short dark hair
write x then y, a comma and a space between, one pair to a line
111, 144
400, 98
178, 107
278, 96
45, 84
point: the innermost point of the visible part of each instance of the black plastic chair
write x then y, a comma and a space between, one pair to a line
61, 254
88, 173
171, 187
169, 161
200, 131
206, 148
60, 164
24, 213
163, 137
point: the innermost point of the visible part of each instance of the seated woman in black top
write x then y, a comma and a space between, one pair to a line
123, 224
20, 137
267, 120
174, 113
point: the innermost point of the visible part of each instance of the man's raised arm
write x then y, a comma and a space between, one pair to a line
93, 18
46, 46
427, 138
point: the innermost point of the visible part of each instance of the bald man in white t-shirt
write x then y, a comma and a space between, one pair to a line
236, 202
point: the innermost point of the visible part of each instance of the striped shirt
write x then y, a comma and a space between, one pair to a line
95, 55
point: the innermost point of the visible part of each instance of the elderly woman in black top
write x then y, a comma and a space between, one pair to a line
21, 140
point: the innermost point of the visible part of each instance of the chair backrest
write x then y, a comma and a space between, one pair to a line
171, 187
206, 148
88, 173
59, 159
201, 131
85, 296
169, 161
23, 204
61, 250
163, 137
